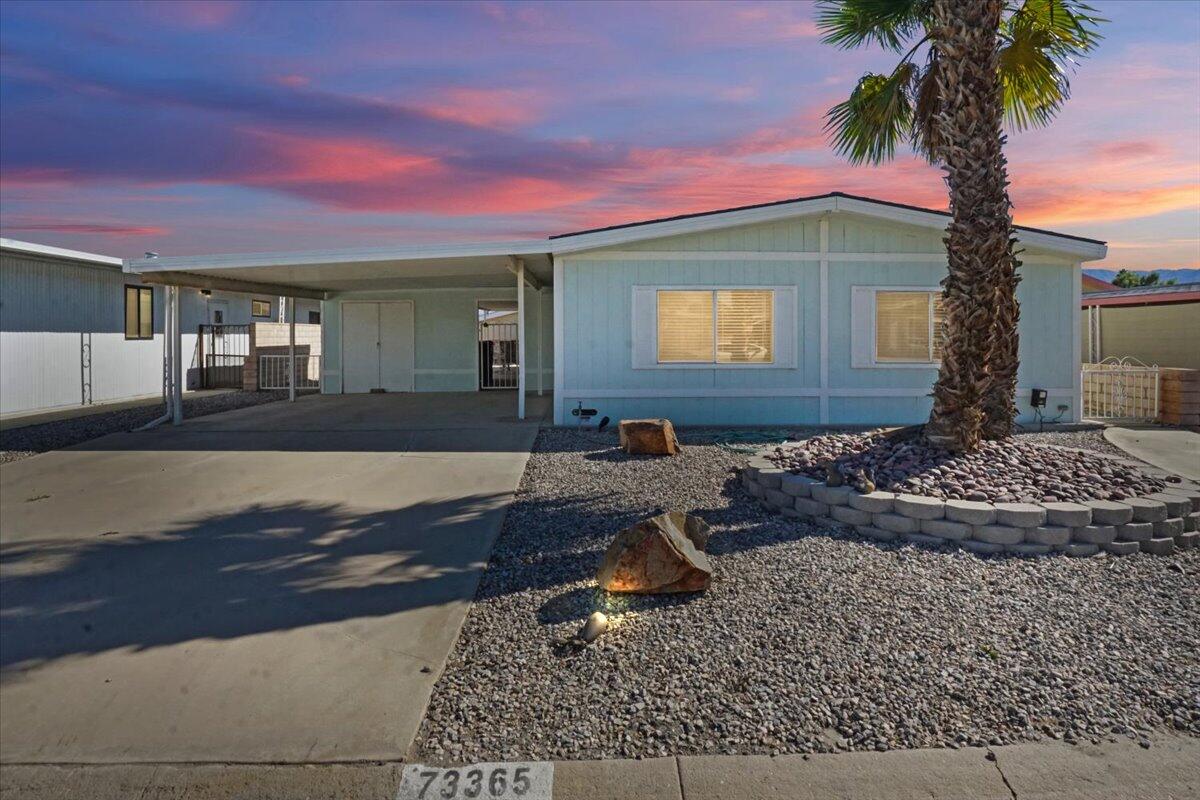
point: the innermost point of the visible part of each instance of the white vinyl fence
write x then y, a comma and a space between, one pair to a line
273, 372
1120, 388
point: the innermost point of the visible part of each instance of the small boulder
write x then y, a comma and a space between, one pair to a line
655, 437
660, 554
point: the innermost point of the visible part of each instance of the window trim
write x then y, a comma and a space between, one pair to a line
866, 327
267, 315
783, 345
125, 299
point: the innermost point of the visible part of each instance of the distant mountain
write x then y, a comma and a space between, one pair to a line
1164, 275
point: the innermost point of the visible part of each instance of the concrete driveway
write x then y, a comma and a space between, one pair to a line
275, 584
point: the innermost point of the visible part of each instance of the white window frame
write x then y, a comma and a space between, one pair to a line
863, 354
644, 327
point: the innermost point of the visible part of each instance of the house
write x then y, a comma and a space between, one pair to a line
75, 329
1157, 325
1094, 284
818, 310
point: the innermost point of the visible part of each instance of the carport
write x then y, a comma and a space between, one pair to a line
393, 318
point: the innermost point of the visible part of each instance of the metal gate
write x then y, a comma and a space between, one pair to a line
223, 350
1120, 388
497, 355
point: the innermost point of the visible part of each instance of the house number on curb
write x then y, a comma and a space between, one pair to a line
508, 780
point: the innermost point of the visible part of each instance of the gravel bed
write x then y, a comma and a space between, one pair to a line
1082, 440
1015, 470
30, 440
810, 639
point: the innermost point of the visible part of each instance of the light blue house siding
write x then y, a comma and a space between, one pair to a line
824, 385
444, 328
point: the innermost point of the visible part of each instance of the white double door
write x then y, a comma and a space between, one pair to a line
378, 350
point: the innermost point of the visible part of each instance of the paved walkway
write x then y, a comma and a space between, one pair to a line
1173, 449
1170, 770
280, 583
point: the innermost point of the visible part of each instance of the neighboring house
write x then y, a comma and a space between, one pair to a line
76, 330
1091, 284
1157, 325
818, 310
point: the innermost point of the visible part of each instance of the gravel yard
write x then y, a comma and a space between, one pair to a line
809, 640
21, 443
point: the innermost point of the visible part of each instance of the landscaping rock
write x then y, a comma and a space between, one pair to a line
798, 485
832, 495
876, 502
811, 508
1028, 549
1052, 535
1078, 549
897, 523
655, 437
1135, 531
1168, 527
946, 529
918, 507
660, 554
1146, 510
1020, 515
1158, 547
971, 512
1094, 534
1067, 515
1177, 505
850, 516
999, 534
878, 534
1106, 512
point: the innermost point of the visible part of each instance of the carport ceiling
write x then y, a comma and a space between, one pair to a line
343, 271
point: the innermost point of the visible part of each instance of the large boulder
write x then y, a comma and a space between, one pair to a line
660, 554
655, 437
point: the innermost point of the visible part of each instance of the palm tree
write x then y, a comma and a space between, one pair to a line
985, 62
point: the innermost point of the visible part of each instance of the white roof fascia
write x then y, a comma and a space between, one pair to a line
58, 252
319, 257
1081, 250
1086, 251
676, 227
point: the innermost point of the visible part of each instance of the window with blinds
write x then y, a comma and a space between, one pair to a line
139, 312
720, 326
908, 327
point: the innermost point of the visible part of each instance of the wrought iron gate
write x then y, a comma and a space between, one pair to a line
497, 355
1120, 388
223, 350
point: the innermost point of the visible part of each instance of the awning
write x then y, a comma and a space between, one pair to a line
313, 274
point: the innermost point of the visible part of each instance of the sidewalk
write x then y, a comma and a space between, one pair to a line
1174, 449
1169, 770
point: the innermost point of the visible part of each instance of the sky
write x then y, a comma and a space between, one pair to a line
222, 126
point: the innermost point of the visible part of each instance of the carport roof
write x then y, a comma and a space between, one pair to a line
311, 274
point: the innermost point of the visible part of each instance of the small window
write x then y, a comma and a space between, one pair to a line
721, 326
314, 318
260, 308
139, 312
908, 327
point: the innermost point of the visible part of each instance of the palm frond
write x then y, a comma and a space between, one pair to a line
867, 127
926, 134
853, 23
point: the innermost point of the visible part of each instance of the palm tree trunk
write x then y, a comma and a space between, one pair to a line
999, 401
979, 236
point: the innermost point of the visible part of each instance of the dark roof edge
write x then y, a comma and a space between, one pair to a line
803, 199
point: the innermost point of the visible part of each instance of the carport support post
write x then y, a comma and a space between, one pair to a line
176, 361
291, 313
541, 334
520, 338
